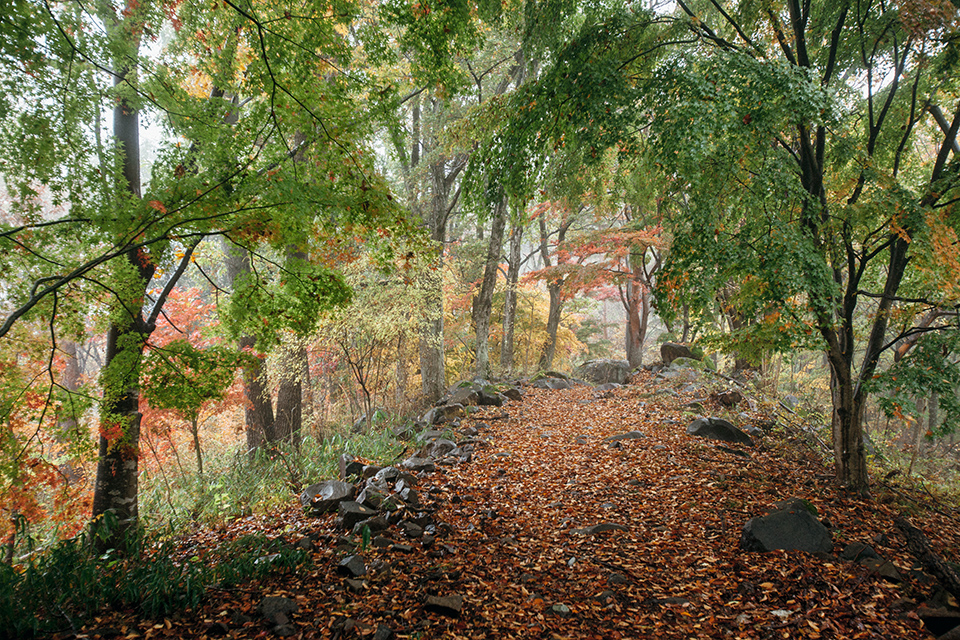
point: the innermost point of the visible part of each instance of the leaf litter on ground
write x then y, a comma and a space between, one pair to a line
518, 549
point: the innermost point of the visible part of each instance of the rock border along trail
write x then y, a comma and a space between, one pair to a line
586, 514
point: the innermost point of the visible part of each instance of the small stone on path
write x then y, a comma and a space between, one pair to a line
445, 605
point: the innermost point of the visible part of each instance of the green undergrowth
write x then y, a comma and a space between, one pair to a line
70, 582
59, 586
237, 484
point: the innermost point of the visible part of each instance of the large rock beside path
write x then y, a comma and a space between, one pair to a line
444, 413
670, 351
552, 383
478, 392
604, 371
326, 495
791, 527
718, 429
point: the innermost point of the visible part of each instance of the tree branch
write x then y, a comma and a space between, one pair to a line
171, 283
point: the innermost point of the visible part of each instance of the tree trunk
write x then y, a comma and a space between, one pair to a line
553, 324
309, 417
483, 303
287, 426
258, 410
432, 367
637, 305
115, 488
847, 426
510, 299
432, 374
555, 288
400, 390
933, 412
195, 432
67, 424
917, 436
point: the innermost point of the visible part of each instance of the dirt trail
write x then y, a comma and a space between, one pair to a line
507, 542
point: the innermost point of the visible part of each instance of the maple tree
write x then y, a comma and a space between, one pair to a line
796, 137
186, 369
237, 114
39, 440
822, 225
368, 334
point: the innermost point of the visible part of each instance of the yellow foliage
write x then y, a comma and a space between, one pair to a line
530, 332
944, 270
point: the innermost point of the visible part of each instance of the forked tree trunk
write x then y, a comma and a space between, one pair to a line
850, 457
638, 315
555, 288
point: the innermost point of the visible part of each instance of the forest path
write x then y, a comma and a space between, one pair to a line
508, 553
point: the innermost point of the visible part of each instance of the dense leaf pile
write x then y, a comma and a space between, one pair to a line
507, 541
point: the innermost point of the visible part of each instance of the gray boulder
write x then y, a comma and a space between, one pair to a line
670, 351
352, 566
277, 609
684, 363
444, 413
373, 497
349, 466
444, 605
429, 435
790, 403
404, 432
718, 429
418, 464
437, 448
325, 496
386, 475
513, 393
350, 513
552, 383
856, 551
606, 387
465, 395
604, 371
490, 397
793, 528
